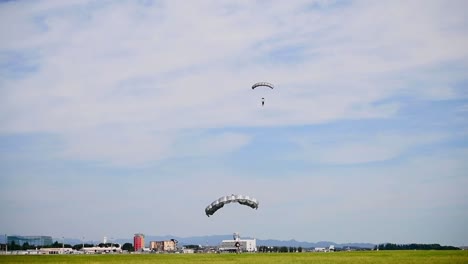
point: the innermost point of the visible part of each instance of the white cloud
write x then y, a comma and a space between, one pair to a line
176, 65
126, 147
190, 65
353, 149
120, 147
212, 145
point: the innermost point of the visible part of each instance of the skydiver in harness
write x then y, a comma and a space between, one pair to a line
264, 84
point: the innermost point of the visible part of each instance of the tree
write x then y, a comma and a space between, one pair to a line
128, 246
77, 246
26, 246
80, 246
13, 246
196, 247
390, 246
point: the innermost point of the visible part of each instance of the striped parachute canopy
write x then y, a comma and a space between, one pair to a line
233, 198
265, 84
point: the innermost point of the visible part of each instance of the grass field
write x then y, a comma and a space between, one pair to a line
401, 257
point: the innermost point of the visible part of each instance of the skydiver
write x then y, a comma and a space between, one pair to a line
263, 101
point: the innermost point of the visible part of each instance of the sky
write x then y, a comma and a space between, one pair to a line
124, 117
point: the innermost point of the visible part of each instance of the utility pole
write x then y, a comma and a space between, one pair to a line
6, 244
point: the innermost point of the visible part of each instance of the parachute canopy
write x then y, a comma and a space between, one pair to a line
233, 198
269, 85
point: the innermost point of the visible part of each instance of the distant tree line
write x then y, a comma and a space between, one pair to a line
275, 249
390, 246
56, 244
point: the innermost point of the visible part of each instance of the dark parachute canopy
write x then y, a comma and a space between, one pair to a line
265, 84
233, 198
262, 84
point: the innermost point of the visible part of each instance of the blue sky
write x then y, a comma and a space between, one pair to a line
118, 117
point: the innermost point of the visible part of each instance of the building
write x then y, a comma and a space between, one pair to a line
31, 240
188, 251
52, 251
246, 245
156, 245
167, 245
323, 249
113, 248
138, 242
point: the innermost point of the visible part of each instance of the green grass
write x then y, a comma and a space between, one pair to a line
387, 257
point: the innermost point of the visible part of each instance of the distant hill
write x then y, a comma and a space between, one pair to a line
215, 240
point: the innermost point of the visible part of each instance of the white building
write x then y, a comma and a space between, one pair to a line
246, 245
188, 251
115, 248
322, 249
53, 251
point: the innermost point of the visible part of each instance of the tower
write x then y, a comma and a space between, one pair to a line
138, 242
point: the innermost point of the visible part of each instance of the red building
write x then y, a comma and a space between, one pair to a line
138, 241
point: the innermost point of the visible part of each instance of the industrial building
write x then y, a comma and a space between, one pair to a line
31, 240
138, 242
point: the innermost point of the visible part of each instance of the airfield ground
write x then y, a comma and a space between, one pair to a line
375, 257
